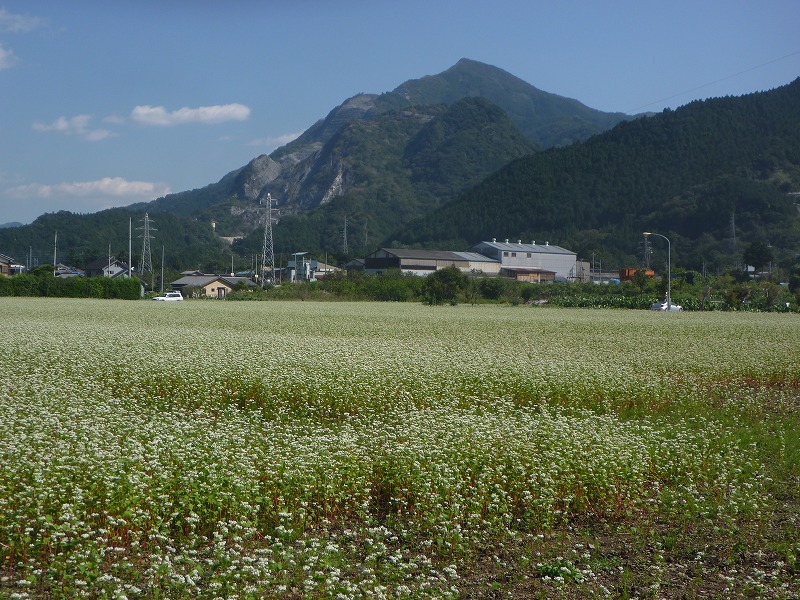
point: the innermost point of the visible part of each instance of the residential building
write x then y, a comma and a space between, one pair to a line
6, 263
210, 286
104, 267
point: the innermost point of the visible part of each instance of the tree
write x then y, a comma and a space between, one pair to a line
445, 285
757, 255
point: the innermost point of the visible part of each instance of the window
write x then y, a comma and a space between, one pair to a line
505, 253
529, 254
513, 254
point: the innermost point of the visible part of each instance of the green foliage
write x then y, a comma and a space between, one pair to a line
72, 287
757, 254
445, 285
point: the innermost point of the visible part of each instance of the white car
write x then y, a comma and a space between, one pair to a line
170, 297
665, 306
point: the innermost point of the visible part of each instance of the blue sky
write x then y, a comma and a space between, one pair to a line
109, 102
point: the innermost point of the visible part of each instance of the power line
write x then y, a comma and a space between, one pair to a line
700, 87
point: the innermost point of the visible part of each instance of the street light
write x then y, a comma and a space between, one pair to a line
669, 268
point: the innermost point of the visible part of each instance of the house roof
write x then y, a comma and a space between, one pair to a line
204, 280
102, 263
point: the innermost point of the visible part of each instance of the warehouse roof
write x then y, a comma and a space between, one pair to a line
518, 246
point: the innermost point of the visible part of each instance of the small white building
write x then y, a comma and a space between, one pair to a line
531, 262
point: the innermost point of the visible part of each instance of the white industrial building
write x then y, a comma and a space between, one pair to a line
531, 262
527, 262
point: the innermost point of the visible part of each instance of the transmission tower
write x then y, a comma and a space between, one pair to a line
147, 259
268, 253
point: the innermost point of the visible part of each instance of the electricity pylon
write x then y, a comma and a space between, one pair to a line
268, 252
147, 259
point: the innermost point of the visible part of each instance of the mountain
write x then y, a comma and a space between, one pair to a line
316, 168
431, 163
708, 175
392, 168
546, 119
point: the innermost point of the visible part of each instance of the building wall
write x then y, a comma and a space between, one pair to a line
490, 269
216, 289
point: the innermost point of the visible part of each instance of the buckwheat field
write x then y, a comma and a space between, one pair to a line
212, 449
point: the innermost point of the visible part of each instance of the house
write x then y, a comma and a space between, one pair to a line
531, 262
6, 264
424, 262
210, 286
105, 267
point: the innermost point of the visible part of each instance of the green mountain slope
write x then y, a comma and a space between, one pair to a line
696, 174
394, 167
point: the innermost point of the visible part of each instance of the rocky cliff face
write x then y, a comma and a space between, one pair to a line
296, 176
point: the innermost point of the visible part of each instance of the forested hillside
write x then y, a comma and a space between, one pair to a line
187, 244
708, 175
398, 165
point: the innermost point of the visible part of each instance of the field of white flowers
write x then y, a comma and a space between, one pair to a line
344, 450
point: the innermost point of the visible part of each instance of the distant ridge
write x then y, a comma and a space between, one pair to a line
546, 119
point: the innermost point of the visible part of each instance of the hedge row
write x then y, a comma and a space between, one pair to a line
72, 287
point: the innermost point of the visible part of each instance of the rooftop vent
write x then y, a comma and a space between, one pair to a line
547, 243
506, 240
519, 241
533, 243
494, 240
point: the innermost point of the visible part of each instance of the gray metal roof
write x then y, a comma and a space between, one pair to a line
520, 247
475, 257
422, 254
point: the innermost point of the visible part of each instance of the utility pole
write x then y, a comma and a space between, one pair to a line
55, 255
344, 237
162, 270
130, 258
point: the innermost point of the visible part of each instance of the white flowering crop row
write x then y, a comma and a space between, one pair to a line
219, 449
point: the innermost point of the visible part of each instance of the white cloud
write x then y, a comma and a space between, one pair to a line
134, 191
275, 141
77, 125
26, 202
12, 23
159, 116
7, 58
